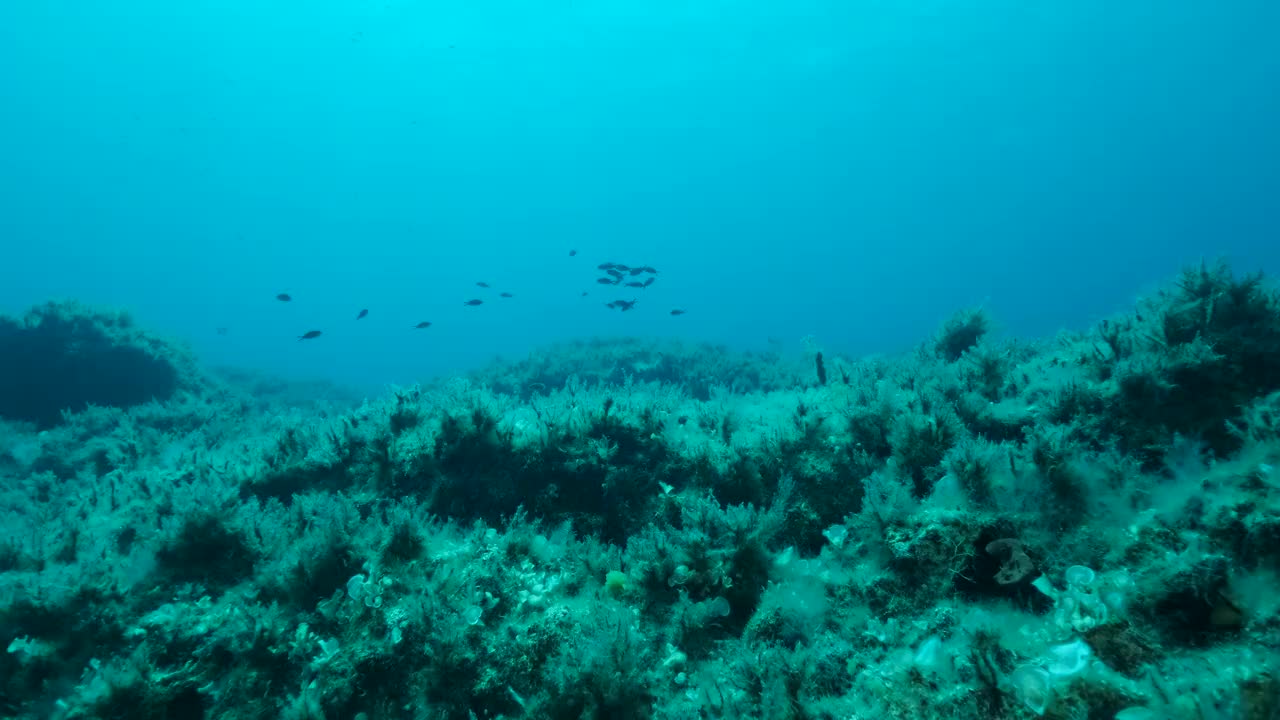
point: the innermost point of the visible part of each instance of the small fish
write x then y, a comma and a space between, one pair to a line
473, 303
615, 272
625, 305
572, 253
605, 266
505, 294
621, 268
222, 331
284, 297
637, 271
363, 314
607, 281
482, 284
647, 282
584, 293
677, 312
422, 325
636, 284
649, 269
309, 335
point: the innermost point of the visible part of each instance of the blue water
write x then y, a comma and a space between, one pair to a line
855, 171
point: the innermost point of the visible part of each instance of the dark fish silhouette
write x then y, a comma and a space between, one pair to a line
605, 266
505, 294
473, 303
309, 335
584, 293
607, 281
647, 282
422, 325
621, 268
636, 284
623, 305
362, 315
572, 253
649, 269
616, 272
284, 297
677, 312
637, 271
482, 284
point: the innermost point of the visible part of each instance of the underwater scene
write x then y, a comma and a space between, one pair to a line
687, 359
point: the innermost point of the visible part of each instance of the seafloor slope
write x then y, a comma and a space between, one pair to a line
1083, 526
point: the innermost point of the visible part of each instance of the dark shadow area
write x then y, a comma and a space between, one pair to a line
50, 362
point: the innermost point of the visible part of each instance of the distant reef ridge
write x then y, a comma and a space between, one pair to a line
65, 356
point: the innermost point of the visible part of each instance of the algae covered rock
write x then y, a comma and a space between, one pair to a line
65, 356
